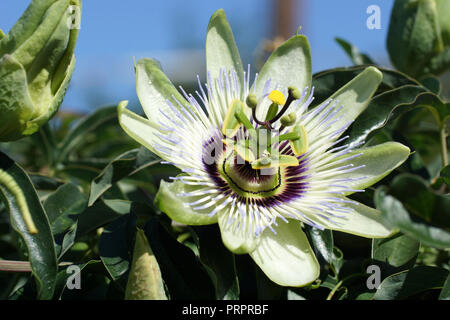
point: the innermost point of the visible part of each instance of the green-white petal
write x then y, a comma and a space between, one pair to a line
168, 201
288, 65
240, 241
354, 97
378, 162
154, 89
221, 50
364, 221
286, 257
140, 129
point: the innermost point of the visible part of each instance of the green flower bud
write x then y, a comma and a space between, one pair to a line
288, 120
251, 101
36, 64
419, 36
294, 93
145, 280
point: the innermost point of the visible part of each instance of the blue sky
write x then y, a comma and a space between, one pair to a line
173, 31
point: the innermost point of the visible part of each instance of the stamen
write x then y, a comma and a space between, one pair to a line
277, 97
294, 94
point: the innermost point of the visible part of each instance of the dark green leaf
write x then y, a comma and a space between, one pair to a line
182, 272
398, 217
218, 262
105, 211
444, 176
432, 83
420, 200
40, 247
353, 52
395, 253
100, 118
63, 275
116, 245
329, 81
380, 110
322, 242
41, 182
407, 283
124, 165
445, 292
63, 208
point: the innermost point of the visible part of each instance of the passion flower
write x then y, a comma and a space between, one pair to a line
255, 159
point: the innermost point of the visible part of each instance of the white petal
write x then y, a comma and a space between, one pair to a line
364, 221
240, 240
140, 129
286, 257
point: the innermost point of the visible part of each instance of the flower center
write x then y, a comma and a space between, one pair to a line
252, 160
246, 181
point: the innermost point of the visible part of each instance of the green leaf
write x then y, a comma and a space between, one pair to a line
329, 81
432, 83
105, 211
122, 166
396, 253
222, 54
145, 281
46, 183
40, 246
444, 176
97, 120
408, 283
63, 208
218, 262
64, 274
420, 200
353, 52
181, 270
168, 201
445, 293
322, 242
381, 109
394, 213
434, 104
115, 245
288, 65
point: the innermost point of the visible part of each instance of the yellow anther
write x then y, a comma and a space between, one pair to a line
277, 97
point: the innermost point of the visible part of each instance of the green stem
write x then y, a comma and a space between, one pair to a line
339, 284
22, 266
444, 151
15, 266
